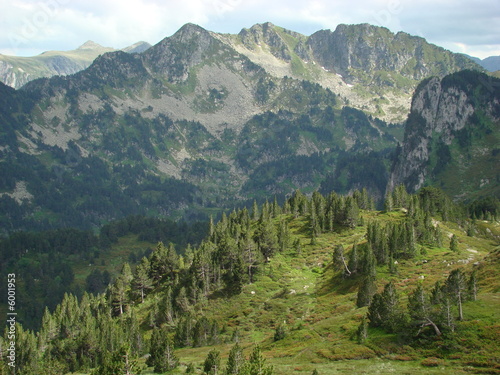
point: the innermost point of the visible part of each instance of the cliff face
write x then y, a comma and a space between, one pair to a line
452, 136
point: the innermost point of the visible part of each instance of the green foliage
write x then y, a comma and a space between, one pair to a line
211, 365
280, 332
235, 361
256, 364
162, 357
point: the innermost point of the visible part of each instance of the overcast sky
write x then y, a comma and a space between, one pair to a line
29, 27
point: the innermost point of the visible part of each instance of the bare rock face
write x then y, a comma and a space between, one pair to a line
452, 118
266, 34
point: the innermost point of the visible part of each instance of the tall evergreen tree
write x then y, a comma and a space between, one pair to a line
266, 238
120, 290
235, 360
211, 366
420, 311
354, 259
454, 244
162, 356
456, 287
384, 310
256, 364
141, 282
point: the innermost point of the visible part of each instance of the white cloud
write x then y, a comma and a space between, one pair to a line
33, 26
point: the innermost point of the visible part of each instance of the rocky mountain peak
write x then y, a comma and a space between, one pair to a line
137, 47
266, 34
89, 44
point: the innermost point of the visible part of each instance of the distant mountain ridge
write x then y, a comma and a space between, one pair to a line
17, 71
491, 63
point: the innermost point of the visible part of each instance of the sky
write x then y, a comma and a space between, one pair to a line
30, 27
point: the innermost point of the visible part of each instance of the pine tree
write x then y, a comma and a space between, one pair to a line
211, 366
354, 259
255, 211
388, 203
158, 268
339, 260
266, 238
234, 277
362, 331
283, 235
456, 287
118, 362
420, 310
256, 364
454, 244
297, 247
368, 286
472, 286
280, 332
442, 306
120, 290
384, 310
235, 360
141, 282
162, 356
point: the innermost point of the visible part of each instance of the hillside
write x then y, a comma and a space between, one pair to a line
292, 280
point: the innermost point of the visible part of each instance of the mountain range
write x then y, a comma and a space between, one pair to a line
491, 63
204, 120
17, 71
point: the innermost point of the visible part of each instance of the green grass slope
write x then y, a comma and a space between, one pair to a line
317, 306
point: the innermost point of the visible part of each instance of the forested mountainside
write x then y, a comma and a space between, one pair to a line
201, 122
318, 284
